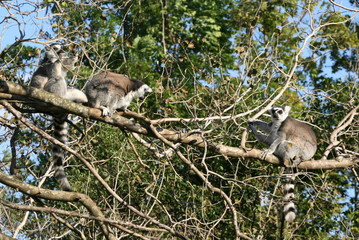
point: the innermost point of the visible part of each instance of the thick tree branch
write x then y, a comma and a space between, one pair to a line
119, 224
207, 183
63, 196
4, 237
195, 139
89, 167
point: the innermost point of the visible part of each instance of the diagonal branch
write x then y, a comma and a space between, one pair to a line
344, 7
347, 120
206, 182
119, 224
63, 196
89, 167
62, 105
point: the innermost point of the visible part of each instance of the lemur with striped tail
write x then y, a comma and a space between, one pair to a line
288, 139
52, 78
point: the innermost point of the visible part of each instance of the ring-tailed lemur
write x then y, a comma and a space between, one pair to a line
54, 81
57, 78
288, 139
41, 75
111, 91
56, 63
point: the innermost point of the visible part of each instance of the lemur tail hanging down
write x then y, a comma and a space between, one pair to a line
288, 139
58, 154
51, 77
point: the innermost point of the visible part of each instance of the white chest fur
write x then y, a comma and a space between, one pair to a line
124, 102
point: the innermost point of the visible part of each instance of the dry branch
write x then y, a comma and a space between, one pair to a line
124, 225
89, 167
4, 237
63, 196
60, 105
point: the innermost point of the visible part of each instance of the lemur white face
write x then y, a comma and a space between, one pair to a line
279, 113
142, 91
53, 51
56, 47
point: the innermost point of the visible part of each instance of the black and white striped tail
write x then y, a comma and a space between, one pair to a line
288, 199
58, 154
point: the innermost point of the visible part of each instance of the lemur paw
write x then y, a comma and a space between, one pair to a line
106, 111
265, 153
296, 162
251, 127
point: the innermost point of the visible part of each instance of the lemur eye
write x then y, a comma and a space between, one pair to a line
280, 111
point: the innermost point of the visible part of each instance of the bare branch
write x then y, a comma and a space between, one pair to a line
186, 138
88, 165
344, 7
125, 225
57, 196
347, 120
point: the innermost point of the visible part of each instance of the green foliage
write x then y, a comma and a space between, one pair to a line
204, 58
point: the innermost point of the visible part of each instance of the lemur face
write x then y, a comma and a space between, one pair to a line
143, 91
279, 113
56, 47
53, 52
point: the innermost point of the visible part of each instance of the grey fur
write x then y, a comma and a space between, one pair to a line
57, 74
288, 139
58, 154
111, 91
41, 75
51, 76
57, 84
52, 54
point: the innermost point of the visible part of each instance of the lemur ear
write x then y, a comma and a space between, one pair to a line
56, 47
270, 110
287, 109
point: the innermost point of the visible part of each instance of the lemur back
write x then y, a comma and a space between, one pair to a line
111, 91
288, 139
303, 137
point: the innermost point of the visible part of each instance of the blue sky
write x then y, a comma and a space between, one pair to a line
33, 21
30, 23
